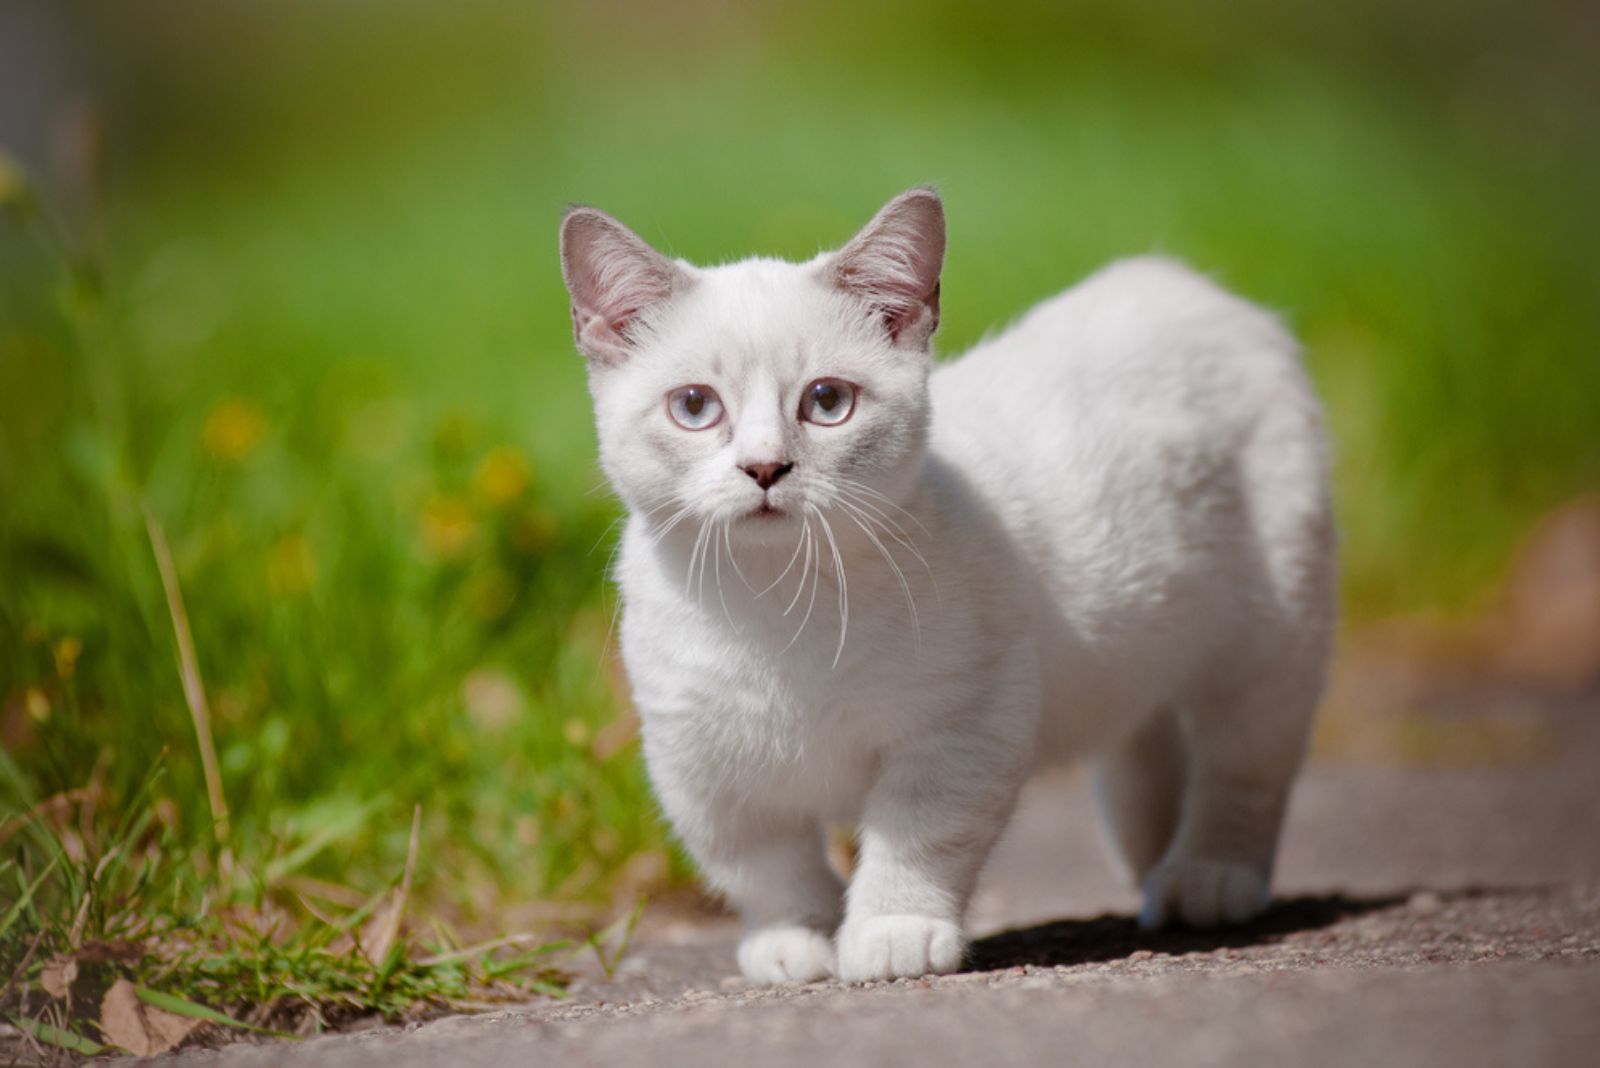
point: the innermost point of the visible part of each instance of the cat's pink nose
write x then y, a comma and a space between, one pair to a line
767, 474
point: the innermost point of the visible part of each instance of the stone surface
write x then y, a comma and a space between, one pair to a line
1431, 914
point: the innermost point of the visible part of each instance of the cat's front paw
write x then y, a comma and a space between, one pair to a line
891, 947
1202, 893
785, 954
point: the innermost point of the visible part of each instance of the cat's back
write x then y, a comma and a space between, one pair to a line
1150, 442
1145, 352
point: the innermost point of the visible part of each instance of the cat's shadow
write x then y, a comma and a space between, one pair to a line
1105, 938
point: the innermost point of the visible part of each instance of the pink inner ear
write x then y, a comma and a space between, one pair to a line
894, 262
611, 273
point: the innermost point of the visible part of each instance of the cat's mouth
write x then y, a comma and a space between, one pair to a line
766, 510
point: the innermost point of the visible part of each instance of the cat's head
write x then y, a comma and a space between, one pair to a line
756, 391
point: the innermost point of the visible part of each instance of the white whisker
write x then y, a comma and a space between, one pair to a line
799, 540
858, 518
889, 526
694, 556
606, 533
844, 586
672, 521
885, 500
804, 568
705, 550
816, 578
616, 609
727, 542
721, 543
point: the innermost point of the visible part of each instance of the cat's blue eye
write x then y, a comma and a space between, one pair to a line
828, 402
695, 407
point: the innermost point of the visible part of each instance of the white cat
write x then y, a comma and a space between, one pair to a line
858, 589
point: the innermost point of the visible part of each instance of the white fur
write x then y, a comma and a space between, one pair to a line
1105, 531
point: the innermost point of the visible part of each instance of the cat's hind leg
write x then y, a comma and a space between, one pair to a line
1243, 740
1139, 787
1246, 711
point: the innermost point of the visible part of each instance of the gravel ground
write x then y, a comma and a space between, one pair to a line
1426, 915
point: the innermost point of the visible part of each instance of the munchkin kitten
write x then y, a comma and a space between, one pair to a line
862, 589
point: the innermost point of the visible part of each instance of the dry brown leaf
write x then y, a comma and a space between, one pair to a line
58, 975
381, 932
140, 1029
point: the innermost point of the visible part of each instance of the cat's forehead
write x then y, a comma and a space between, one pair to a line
756, 316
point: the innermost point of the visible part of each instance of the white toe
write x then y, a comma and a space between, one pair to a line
891, 947
785, 954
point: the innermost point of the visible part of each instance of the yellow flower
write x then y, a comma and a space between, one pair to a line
290, 566
502, 477
233, 429
447, 525
37, 704
66, 653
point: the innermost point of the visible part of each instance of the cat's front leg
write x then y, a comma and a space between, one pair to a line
789, 900
772, 868
927, 828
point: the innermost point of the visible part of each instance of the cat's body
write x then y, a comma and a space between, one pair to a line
1115, 541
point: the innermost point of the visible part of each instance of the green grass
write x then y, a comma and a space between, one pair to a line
98, 899
314, 325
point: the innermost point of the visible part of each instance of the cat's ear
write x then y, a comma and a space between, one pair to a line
614, 278
894, 262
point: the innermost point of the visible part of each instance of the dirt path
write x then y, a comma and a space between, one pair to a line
1426, 916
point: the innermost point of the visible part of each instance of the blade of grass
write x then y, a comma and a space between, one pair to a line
194, 691
387, 932
471, 952
25, 899
499, 969
344, 826
195, 1011
55, 1036
610, 958
388, 949
548, 989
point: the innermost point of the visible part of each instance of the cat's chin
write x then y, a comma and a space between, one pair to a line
766, 525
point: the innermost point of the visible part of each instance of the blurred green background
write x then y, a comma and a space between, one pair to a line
301, 301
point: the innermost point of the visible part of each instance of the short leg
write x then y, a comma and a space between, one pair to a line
769, 865
927, 828
774, 871
789, 900
1241, 757
1139, 786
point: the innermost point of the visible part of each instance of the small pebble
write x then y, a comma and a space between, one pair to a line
1425, 902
